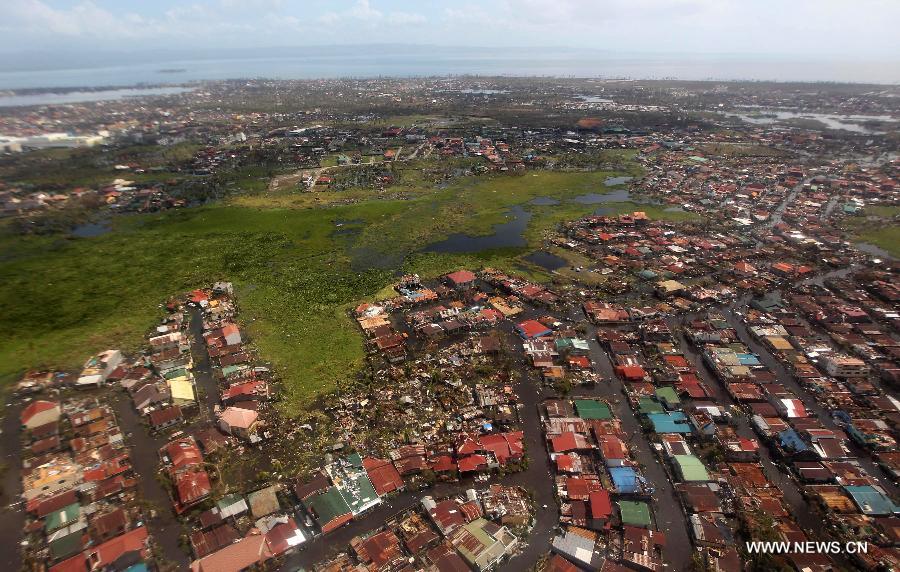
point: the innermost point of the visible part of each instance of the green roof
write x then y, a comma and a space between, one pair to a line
592, 409
871, 501
177, 372
691, 468
635, 513
229, 369
66, 546
328, 505
668, 396
649, 405
62, 517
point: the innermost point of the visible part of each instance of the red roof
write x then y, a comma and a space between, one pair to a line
532, 328
36, 407
443, 464
581, 362
472, 463
461, 277
631, 371
283, 536
192, 486
108, 552
77, 563
499, 444
600, 504
198, 296
567, 441
383, 475
184, 453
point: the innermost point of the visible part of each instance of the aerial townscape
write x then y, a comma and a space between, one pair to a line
450, 323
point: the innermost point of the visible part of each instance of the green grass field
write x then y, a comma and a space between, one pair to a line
882, 232
65, 298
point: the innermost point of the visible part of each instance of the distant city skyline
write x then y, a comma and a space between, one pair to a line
822, 29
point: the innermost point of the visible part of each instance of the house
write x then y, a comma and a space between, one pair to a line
236, 557
39, 413
845, 366
329, 508
461, 279
264, 501
668, 288
166, 417
383, 475
206, 542
231, 334
530, 329
98, 368
482, 544
241, 423
135, 541
580, 546
58, 474
191, 487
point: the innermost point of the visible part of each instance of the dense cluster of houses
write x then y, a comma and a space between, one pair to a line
78, 486
805, 416
686, 266
476, 530
602, 493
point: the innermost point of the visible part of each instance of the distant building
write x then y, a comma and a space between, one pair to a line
845, 366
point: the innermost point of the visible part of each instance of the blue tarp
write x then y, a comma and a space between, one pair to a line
748, 359
628, 481
790, 441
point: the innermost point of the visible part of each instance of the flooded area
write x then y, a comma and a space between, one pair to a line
90, 229
873, 250
853, 123
616, 196
12, 514
615, 181
543, 202
546, 260
507, 234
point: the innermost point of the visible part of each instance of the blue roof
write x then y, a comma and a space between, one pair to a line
625, 479
871, 501
790, 440
748, 359
671, 422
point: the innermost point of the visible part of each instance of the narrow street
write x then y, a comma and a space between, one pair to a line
668, 514
12, 512
165, 528
812, 406
784, 482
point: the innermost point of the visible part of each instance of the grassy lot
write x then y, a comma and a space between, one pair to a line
64, 299
67, 168
876, 226
886, 237
884, 211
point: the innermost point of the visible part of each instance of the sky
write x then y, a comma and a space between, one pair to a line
848, 30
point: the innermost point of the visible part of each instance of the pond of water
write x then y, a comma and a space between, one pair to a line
546, 260
90, 229
616, 196
507, 234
